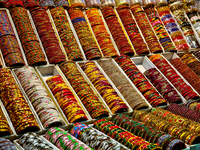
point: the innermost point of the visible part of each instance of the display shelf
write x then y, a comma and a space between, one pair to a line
143, 64
171, 56
49, 71
130, 110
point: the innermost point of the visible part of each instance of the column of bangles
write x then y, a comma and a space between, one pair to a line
132, 30
134, 99
64, 140
148, 133
47, 35
100, 32
13, 3
160, 30
63, 3
143, 85
8, 43
194, 105
162, 85
187, 73
85, 36
123, 136
94, 138
29, 41
196, 54
31, 3
7, 144
117, 31
191, 62
66, 35
149, 119
66, 99
110, 96
146, 29
192, 126
47, 3
192, 14
83, 90
31, 140
184, 112
162, 64
18, 109
184, 25
4, 125
38, 96
172, 28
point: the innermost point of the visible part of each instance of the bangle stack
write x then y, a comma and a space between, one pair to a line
160, 30
6, 144
172, 28
64, 140
117, 31
47, 35
148, 133
122, 136
187, 73
185, 90
143, 85
63, 3
17, 107
191, 62
66, 99
83, 90
94, 138
194, 105
85, 36
4, 126
29, 40
192, 126
31, 140
146, 28
102, 36
165, 125
110, 96
132, 30
66, 35
177, 10
8, 43
184, 112
37, 94
162, 85
31, 3
133, 98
